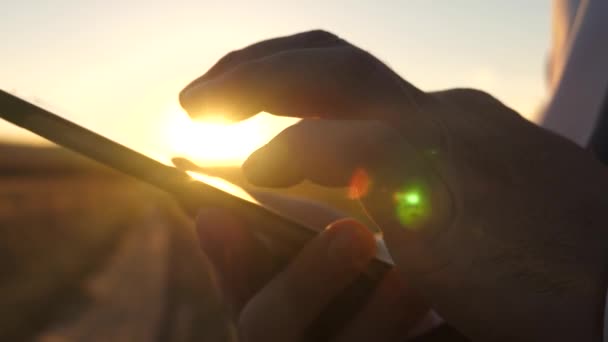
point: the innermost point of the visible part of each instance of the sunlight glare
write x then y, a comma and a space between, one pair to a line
218, 143
223, 185
412, 205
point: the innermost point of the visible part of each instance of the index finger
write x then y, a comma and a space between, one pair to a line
303, 40
339, 82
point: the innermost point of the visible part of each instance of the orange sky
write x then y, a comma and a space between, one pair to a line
117, 68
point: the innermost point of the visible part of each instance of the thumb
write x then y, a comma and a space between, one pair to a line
398, 185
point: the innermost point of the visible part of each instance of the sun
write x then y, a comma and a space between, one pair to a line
220, 143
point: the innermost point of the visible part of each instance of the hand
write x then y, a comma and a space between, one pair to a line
282, 307
499, 222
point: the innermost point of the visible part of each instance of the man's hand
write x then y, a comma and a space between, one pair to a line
282, 307
500, 223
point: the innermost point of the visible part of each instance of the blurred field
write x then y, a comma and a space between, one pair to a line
89, 255
54, 232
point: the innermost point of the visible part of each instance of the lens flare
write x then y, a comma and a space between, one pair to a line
412, 198
433, 152
412, 205
359, 184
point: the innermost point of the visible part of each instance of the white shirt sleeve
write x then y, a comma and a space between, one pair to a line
577, 70
578, 74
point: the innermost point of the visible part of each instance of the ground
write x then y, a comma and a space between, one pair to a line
89, 255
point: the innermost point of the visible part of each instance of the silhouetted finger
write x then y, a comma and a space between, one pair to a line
241, 261
398, 185
290, 302
335, 82
327, 152
303, 40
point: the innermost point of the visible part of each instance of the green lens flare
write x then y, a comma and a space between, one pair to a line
412, 198
412, 205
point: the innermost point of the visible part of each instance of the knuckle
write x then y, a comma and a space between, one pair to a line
480, 104
480, 95
319, 34
359, 60
222, 64
472, 95
228, 58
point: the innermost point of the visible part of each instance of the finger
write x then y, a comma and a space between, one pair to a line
241, 263
404, 193
327, 152
470, 99
289, 303
393, 310
237, 255
335, 82
304, 40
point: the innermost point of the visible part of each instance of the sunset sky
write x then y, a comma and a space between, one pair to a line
117, 66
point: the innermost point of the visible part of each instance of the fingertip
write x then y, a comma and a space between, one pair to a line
352, 244
360, 231
190, 100
272, 167
210, 100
